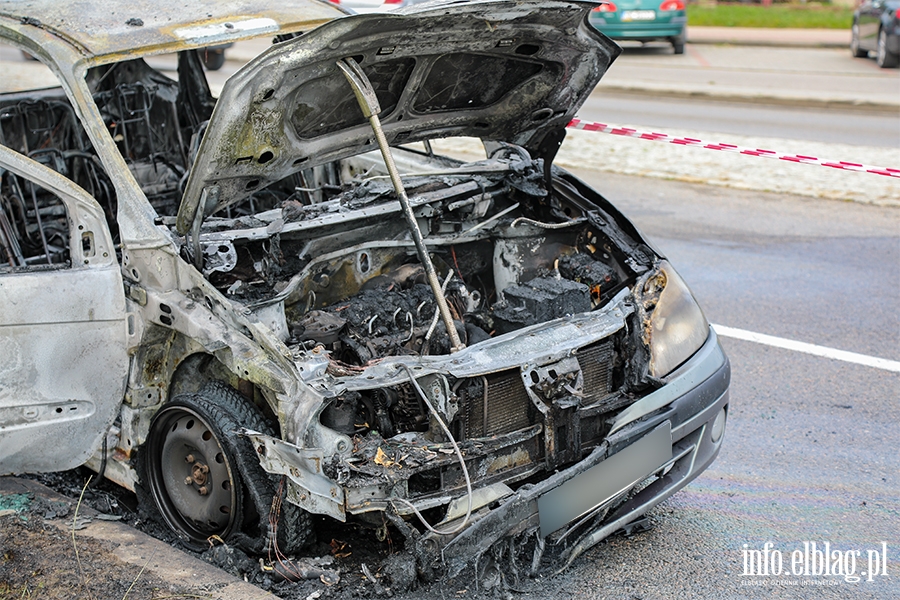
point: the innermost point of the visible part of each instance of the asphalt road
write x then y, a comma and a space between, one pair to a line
811, 446
814, 94
817, 124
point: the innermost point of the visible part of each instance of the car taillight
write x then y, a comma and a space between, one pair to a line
608, 7
393, 1
335, 1
672, 5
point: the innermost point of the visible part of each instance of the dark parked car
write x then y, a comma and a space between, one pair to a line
876, 28
281, 302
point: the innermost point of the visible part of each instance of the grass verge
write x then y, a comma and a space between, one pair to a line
802, 16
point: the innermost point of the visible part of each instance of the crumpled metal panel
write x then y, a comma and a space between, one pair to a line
145, 26
310, 489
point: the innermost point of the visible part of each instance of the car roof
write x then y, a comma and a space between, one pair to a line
141, 27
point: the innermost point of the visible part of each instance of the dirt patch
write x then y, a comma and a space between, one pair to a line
52, 547
39, 560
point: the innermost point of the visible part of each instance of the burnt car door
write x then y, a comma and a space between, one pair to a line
63, 358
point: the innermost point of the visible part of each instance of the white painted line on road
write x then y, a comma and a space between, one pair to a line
777, 342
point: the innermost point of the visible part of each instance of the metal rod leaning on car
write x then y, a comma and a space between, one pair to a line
368, 102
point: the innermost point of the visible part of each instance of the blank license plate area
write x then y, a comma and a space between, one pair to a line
587, 491
638, 15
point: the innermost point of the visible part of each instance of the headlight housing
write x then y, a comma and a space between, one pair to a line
676, 326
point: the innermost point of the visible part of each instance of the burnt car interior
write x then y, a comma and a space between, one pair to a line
152, 118
34, 231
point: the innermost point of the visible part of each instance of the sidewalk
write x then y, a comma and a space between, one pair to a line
792, 67
758, 36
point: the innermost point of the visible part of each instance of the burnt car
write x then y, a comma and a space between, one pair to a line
282, 302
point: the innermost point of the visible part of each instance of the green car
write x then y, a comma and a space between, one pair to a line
643, 21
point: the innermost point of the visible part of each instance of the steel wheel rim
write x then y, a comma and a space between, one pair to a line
191, 477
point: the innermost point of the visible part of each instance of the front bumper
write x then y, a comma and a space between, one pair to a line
653, 447
681, 413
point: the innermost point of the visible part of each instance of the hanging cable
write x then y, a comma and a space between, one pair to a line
459, 455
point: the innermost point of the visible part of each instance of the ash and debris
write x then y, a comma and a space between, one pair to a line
390, 316
349, 560
381, 458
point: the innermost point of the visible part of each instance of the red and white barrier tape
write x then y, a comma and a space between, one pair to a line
686, 141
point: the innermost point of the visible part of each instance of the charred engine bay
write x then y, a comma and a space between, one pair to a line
327, 246
342, 274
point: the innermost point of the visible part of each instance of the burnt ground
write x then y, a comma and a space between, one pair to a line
38, 558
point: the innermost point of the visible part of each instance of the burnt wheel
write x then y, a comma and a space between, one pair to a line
193, 444
191, 470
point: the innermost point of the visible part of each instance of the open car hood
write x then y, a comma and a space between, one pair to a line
494, 69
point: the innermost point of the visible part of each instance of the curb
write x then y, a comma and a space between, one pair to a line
807, 102
762, 36
769, 43
134, 547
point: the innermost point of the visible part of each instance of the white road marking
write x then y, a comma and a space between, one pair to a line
777, 342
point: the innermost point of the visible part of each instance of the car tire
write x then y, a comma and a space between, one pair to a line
855, 50
884, 57
678, 43
212, 59
203, 479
